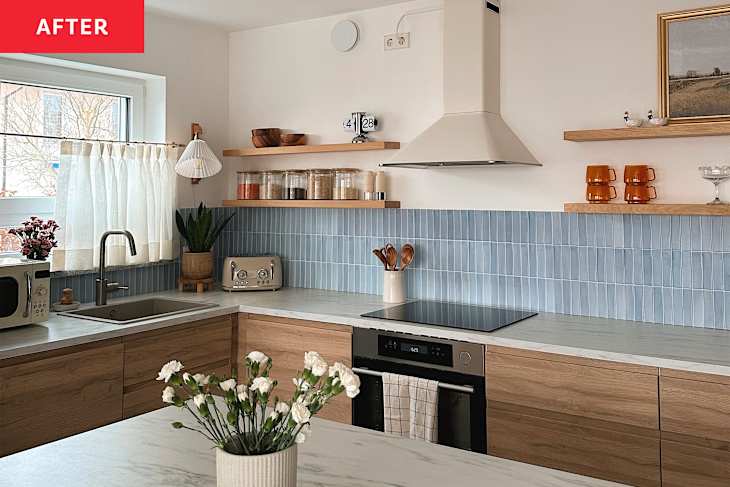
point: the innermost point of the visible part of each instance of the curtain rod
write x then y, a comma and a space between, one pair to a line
51, 137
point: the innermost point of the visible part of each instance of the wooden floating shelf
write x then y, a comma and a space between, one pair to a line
310, 149
648, 209
311, 204
703, 129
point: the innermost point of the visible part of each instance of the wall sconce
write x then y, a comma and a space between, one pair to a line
197, 161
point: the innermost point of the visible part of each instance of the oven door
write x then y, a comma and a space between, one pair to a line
14, 299
461, 413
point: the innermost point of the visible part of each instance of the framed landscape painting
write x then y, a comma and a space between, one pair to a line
694, 64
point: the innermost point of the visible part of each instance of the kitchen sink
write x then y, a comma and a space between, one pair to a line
133, 311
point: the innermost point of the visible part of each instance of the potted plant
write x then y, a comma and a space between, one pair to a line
37, 237
257, 434
199, 233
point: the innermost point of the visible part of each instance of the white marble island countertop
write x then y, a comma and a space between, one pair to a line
147, 451
684, 348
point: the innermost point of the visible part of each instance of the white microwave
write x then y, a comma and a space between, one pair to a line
25, 288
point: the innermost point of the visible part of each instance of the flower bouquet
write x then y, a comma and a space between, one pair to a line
37, 237
256, 432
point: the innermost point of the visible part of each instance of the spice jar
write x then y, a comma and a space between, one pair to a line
319, 184
249, 185
347, 186
368, 185
295, 185
272, 185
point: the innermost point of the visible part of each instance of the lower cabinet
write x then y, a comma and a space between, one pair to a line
695, 414
589, 417
202, 346
52, 395
286, 340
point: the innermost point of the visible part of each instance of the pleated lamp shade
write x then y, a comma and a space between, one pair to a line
198, 161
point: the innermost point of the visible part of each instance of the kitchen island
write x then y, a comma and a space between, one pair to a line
147, 451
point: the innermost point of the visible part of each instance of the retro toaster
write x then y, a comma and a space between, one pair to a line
252, 273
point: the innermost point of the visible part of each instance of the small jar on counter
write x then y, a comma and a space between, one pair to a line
347, 184
272, 185
319, 184
295, 185
249, 185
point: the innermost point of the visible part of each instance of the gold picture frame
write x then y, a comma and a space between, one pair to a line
691, 105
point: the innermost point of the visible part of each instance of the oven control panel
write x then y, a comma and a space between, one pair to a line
416, 350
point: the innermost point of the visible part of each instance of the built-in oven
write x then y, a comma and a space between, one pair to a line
458, 367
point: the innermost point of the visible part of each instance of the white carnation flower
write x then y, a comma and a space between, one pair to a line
242, 392
337, 369
199, 400
314, 362
228, 385
257, 357
300, 413
202, 379
186, 377
168, 395
301, 384
303, 434
282, 408
351, 383
262, 384
169, 369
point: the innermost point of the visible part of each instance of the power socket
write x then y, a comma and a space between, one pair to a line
397, 41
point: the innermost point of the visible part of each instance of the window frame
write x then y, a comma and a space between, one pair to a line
14, 210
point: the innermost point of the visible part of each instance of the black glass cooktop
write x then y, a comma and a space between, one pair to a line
451, 315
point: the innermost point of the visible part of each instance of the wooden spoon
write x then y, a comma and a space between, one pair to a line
379, 254
391, 255
406, 256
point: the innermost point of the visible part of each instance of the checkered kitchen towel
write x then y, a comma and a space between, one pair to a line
410, 407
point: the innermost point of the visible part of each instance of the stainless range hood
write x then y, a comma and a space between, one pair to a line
471, 132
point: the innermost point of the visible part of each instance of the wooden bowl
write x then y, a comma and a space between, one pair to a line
270, 137
293, 139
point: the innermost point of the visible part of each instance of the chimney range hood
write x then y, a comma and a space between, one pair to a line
471, 132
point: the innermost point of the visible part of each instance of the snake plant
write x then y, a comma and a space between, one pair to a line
199, 231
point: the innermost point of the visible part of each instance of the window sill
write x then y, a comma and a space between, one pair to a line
55, 274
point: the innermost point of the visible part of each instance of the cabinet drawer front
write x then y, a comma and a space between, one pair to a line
286, 344
695, 408
691, 465
194, 345
579, 390
48, 399
595, 452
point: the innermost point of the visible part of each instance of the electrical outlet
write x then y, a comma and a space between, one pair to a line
397, 41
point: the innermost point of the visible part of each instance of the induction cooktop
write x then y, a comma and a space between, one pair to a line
452, 315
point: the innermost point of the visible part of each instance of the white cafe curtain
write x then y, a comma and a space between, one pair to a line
105, 186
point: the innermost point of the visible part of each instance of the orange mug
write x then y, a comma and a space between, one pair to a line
600, 174
638, 174
639, 193
600, 193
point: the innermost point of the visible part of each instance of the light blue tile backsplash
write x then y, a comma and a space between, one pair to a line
140, 279
662, 269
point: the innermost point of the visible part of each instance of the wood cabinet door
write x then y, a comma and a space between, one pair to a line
594, 389
594, 448
286, 341
45, 399
204, 346
690, 465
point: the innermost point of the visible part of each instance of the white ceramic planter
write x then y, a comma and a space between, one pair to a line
273, 470
394, 287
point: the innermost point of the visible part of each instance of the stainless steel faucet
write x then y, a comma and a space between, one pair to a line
103, 286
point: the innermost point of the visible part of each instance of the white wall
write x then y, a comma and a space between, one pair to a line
566, 64
194, 59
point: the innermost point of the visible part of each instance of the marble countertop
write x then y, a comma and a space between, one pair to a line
692, 349
146, 451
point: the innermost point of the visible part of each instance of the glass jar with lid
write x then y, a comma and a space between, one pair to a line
249, 185
347, 184
272, 185
319, 184
295, 185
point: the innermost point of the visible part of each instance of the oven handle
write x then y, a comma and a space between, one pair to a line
442, 385
29, 294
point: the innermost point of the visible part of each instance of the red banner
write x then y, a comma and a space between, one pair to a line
72, 26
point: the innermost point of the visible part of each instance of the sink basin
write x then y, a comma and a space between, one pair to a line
133, 311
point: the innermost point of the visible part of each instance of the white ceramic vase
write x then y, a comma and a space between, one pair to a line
273, 470
394, 287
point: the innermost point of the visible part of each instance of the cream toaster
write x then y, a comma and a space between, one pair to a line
252, 273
